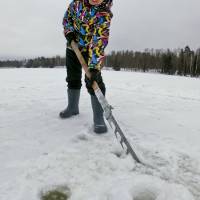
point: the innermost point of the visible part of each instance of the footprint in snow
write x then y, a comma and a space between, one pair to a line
188, 173
83, 137
119, 153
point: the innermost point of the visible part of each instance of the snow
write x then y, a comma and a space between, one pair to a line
159, 115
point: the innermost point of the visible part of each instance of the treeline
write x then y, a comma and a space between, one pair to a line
181, 61
35, 63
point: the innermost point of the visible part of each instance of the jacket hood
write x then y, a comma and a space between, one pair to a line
105, 5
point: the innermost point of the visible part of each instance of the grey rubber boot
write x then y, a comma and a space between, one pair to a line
99, 123
73, 104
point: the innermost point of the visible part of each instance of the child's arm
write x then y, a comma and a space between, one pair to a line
99, 41
68, 23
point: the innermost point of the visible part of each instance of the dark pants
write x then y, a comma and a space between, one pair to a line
74, 72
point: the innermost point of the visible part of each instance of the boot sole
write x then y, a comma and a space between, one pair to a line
68, 116
100, 130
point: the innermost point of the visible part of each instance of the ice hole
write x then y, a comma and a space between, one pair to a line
145, 195
61, 192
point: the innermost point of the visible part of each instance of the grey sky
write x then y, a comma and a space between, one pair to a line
34, 27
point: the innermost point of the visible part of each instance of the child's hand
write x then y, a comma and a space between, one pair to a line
95, 76
70, 36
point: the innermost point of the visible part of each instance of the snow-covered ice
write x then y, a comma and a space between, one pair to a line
159, 115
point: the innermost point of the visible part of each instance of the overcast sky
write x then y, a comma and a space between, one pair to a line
31, 28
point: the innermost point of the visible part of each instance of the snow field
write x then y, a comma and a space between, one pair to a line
38, 151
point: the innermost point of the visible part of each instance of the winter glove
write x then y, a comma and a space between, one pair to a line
70, 36
95, 76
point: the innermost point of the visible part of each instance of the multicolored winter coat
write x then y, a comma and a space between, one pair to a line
91, 26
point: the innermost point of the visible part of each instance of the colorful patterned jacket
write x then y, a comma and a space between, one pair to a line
91, 26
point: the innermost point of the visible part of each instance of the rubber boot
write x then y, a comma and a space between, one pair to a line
99, 123
73, 104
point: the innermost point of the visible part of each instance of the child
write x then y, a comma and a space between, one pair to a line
87, 22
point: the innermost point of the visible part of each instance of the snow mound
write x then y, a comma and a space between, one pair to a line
143, 187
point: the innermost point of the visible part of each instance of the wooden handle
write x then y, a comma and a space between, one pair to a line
83, 63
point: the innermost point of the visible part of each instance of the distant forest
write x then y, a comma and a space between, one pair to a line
180, 61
